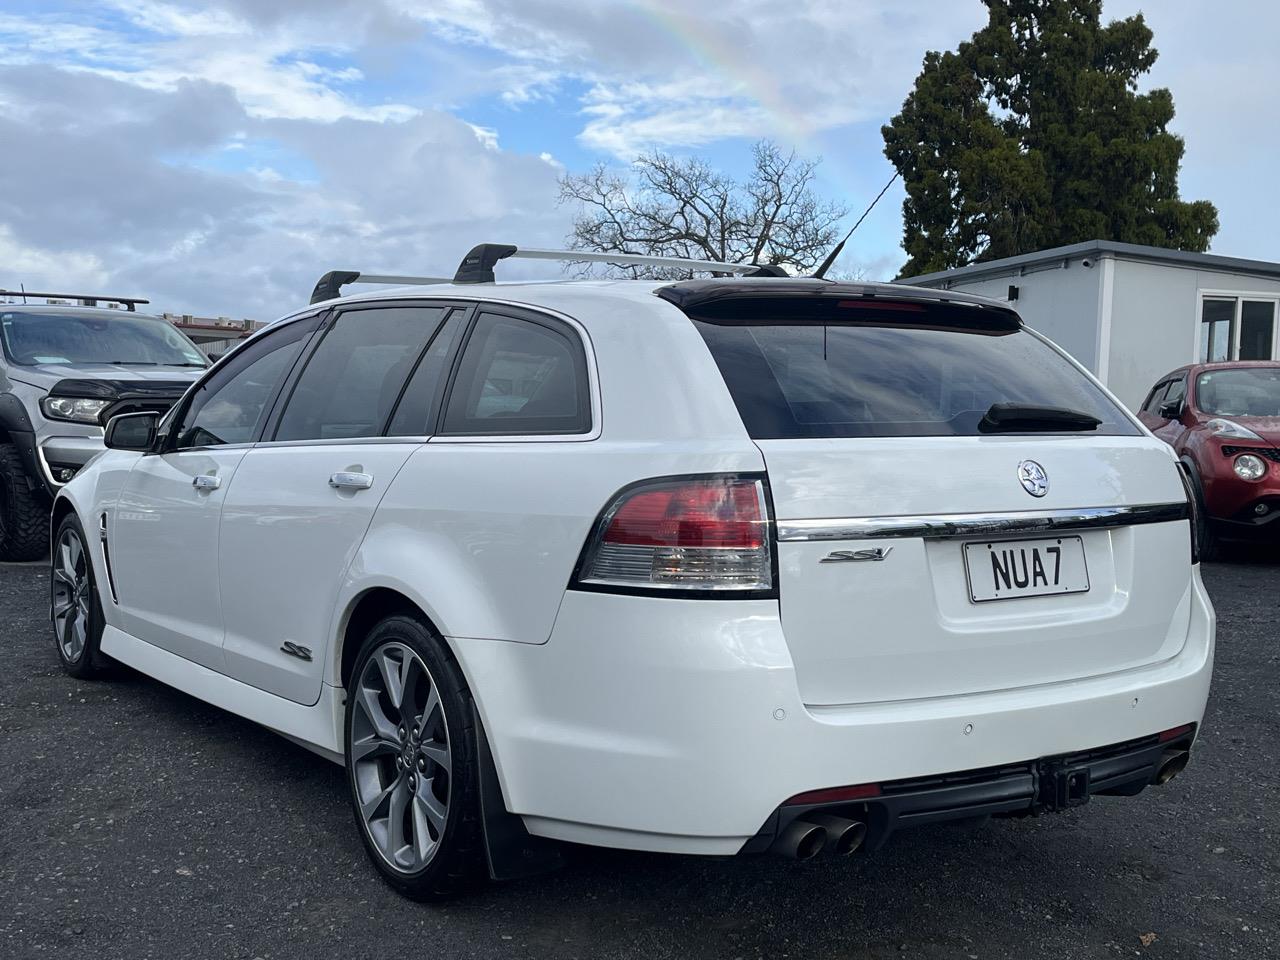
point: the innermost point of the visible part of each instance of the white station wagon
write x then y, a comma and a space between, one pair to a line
749, 563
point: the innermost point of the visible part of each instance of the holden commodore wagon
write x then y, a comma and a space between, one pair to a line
742, 564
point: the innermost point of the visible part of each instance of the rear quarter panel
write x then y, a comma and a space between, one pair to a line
484, 534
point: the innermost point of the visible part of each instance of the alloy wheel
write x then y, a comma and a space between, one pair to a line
72, 593
400, 757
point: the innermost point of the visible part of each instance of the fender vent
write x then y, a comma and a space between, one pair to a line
106, 558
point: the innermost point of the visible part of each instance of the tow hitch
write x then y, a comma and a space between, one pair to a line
1063, 787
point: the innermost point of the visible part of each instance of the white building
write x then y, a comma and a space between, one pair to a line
1132, 313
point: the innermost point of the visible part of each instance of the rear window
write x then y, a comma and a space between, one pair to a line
840, 368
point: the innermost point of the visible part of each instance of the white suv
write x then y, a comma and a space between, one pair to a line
708, 566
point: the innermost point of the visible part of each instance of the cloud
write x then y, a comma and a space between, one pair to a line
665, 73
114, 187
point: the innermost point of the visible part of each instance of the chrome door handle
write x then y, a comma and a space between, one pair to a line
206, 482
351, 481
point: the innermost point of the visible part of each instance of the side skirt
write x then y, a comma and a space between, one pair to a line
317, 727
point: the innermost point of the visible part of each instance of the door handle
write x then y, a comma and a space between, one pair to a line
344, 480
206, 482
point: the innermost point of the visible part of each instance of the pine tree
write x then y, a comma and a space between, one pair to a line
1033, 135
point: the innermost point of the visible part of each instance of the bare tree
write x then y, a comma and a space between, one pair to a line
675, 207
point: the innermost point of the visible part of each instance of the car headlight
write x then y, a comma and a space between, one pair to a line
1249, 467
1229, 428
75, 409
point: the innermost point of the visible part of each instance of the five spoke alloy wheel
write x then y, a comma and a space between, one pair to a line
72, 594
77, 613
400, 757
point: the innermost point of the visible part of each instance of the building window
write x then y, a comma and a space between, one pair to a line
1216, 318
1257, 329
1237, 328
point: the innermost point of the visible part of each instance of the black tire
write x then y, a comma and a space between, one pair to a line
24, 513
1206, 535
457, 862
77, 634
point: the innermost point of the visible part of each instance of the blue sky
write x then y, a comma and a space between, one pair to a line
219, 155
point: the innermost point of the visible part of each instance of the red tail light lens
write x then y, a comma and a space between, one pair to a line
862, 791
696, 514
1176, 732
702, 533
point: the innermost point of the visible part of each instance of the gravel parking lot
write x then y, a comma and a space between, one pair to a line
138, 822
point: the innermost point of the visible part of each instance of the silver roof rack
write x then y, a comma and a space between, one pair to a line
477, 267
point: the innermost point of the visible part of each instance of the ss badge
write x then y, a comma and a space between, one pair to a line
852, 556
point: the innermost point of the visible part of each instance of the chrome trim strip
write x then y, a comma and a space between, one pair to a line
951, 526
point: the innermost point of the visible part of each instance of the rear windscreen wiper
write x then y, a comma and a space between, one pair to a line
1021, 417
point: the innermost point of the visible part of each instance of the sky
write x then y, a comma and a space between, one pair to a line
218, 156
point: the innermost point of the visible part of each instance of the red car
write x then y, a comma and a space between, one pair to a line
1223, 420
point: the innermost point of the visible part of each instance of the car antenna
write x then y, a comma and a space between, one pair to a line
23, 288
831, 257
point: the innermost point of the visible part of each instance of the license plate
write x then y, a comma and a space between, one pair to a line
1012, 569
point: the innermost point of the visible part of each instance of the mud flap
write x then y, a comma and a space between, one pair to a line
512, 852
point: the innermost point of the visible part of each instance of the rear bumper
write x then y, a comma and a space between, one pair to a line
677, 725
1039, 786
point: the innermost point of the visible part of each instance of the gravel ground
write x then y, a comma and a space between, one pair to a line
138, 822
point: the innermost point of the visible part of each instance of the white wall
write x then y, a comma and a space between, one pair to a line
1059, 302
1155, 320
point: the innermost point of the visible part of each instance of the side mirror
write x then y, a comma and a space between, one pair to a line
132, 431
214, 357
1171, 409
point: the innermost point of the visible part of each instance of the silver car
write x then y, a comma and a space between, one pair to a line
64, 370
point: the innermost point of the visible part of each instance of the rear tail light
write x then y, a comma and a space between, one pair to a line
682, 536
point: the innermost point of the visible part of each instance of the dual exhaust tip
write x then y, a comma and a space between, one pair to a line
806, 837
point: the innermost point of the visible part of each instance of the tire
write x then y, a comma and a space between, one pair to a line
1206, 535
419, 764
24, 514
77, 630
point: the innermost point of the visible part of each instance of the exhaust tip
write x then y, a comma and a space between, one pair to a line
1172, 763
845, 835
800, 840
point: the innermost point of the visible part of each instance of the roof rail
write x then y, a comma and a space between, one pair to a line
477, 266
331, 284
86, 299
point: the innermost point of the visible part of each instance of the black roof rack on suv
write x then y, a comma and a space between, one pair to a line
86, 299
477, 267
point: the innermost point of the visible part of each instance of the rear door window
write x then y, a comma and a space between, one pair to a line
519, 376
812, 367
354, 378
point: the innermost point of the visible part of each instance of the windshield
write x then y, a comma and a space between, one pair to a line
36, 338
1243, 392
936, 374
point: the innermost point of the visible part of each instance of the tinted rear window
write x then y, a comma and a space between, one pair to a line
849, 369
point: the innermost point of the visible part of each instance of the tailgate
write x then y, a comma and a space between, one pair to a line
879, 604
